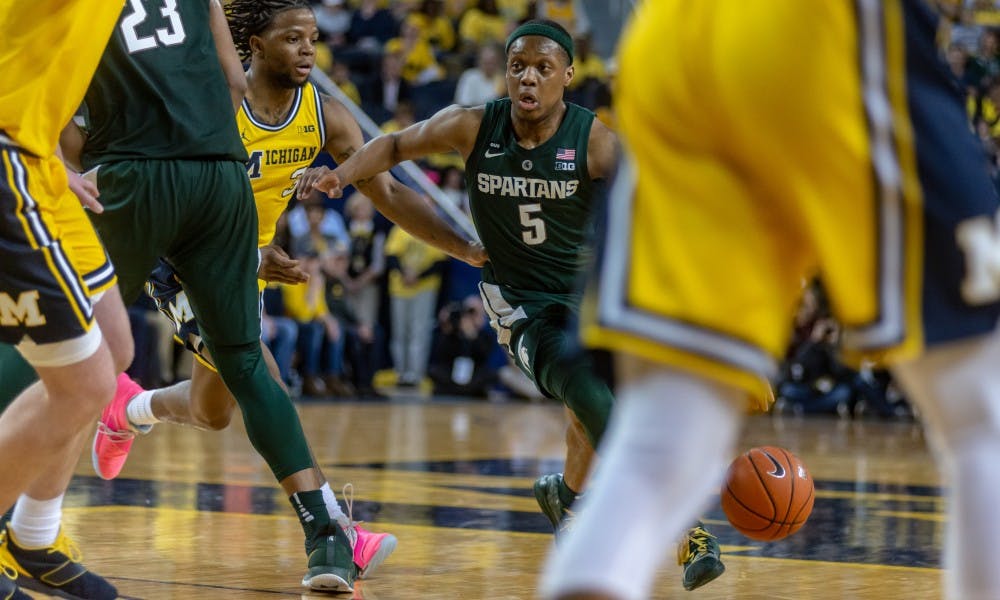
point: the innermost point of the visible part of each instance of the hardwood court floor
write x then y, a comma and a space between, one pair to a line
197, 514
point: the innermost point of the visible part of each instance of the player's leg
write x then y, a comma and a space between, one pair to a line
564, 371
666, 485
948, 294
35, 541
224, 298
43, 428
204, 402
579, 455
957, 389
36, 518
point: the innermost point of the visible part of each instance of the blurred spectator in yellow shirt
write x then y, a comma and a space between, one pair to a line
414, 279
568, 13
588, 66
434, 26
341, 75
483, 25
419, 64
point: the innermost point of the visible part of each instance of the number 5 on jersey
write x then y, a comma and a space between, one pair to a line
534, 226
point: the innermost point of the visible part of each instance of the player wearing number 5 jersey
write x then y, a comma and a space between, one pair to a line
531, 163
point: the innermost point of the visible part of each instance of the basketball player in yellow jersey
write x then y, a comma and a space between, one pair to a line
284, 122
809, 139
54, 269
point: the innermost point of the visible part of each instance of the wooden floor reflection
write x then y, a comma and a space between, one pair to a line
197, 515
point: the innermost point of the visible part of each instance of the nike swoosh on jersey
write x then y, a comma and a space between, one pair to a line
492, 154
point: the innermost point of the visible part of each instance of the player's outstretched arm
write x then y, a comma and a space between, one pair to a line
397, 202
453, 128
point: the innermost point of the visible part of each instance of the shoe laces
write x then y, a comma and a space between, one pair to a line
352, 534
66, 546
113, 434
695, 545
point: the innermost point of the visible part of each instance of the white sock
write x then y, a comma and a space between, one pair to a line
663, 455
957, 388
35, 523
333, 507
140, 411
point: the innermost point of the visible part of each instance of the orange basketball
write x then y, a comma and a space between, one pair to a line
768, 493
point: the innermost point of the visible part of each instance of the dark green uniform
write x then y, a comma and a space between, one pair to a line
162, 132
532, 210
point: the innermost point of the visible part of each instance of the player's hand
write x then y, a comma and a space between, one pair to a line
85, 190
476, 255
327, 182
277, 266
304, 185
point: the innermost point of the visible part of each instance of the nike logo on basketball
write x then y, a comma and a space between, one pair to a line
492, 154
779, 471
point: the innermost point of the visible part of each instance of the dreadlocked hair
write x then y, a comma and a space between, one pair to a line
250, 17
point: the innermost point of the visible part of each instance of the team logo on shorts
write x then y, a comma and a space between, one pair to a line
23, 310
522, 354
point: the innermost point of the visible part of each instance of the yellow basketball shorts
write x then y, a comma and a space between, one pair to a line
770, 142
53, 262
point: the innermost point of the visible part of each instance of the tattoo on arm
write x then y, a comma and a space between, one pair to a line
345, 154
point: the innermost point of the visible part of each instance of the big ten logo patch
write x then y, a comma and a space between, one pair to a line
24, 310
305, 128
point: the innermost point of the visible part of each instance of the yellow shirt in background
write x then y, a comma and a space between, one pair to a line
302, 307
481, 28
415, 256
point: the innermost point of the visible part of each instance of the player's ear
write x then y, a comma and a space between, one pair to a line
256, 44
570, 72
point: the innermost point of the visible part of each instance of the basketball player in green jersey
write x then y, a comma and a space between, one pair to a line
531, 163
284, 122
169, 164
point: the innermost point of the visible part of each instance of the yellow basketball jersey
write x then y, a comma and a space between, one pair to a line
49, 52
279, 154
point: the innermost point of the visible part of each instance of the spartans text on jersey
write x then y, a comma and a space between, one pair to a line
525, 187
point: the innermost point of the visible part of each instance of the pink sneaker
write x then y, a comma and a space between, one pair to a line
371, 550
114, 437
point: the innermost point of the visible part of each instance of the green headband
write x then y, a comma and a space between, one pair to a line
560, 37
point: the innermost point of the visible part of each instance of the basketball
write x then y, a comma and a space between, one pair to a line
768, 493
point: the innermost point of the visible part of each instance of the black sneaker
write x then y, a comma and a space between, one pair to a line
547, 495
699, 554
55, 570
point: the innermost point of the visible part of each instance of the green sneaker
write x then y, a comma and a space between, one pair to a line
699, 554
331, 564
547, 495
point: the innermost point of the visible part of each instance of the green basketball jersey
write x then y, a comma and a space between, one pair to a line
532, 208
159, 91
